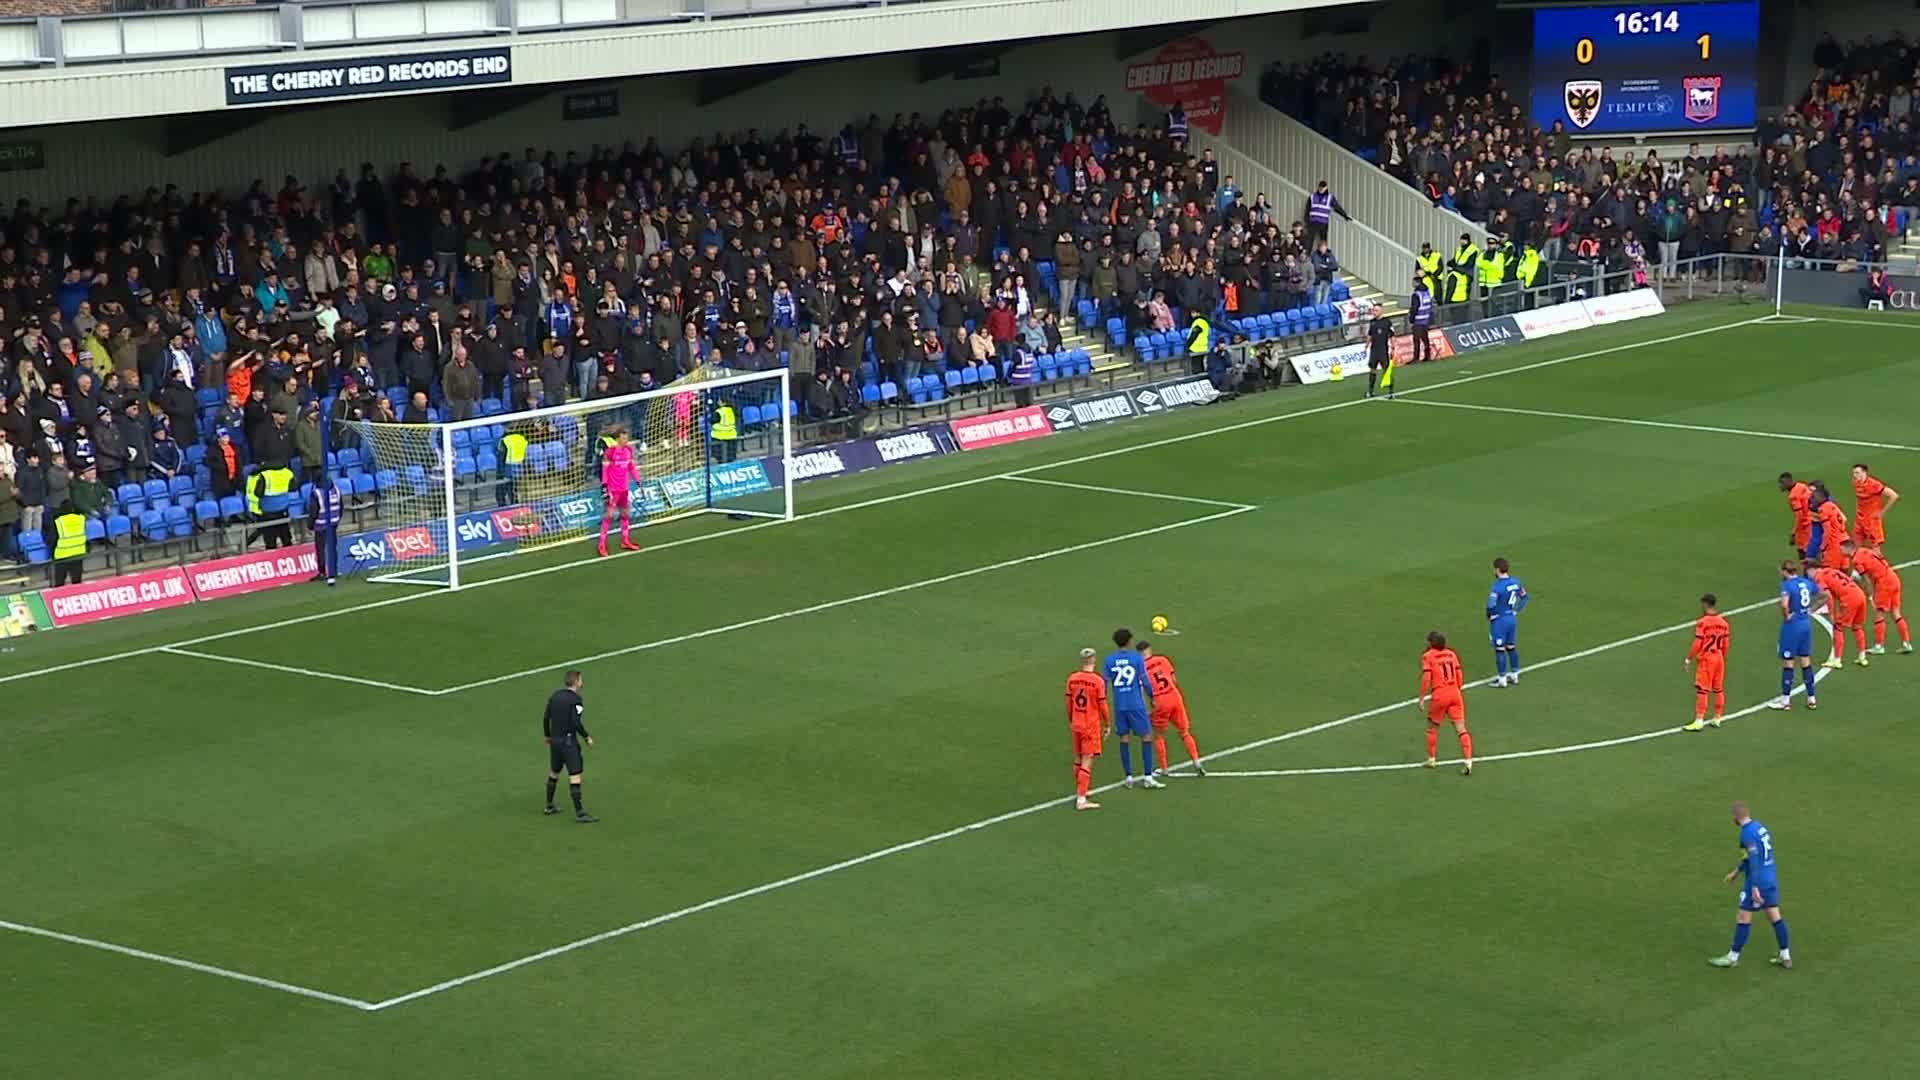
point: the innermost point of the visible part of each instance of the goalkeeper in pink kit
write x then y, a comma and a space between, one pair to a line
618, 475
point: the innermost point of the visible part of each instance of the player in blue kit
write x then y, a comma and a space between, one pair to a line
1505, 601
1760, 891
1800, 596
1126, 672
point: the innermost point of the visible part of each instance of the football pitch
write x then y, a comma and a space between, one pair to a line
298, 834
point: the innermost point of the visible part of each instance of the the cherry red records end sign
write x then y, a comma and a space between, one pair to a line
1188, 72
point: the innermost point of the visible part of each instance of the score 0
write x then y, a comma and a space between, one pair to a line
1583, 49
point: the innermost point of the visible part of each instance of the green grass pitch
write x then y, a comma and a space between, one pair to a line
816, 741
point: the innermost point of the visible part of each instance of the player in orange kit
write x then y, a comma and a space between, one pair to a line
1442, 698
1871, 501
1833, 529
1169, 708
1708, 658
1878, 572
1849, 613
1800, 501
1088, 719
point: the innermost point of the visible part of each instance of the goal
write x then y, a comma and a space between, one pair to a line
450, 495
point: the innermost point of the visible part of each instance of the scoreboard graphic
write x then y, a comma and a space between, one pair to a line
1639, 69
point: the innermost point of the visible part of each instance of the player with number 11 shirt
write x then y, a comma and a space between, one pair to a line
1442, 697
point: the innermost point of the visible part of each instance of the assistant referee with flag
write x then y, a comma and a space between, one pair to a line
1380, 354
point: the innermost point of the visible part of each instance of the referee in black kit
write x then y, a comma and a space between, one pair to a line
565, 727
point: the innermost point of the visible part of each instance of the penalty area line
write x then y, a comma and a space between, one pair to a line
1209, 432
977, 826
287, 669
1669, 425
188, 965
1021, 478
1819, 675
860, 598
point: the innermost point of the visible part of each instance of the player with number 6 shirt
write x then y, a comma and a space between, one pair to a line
1089, 722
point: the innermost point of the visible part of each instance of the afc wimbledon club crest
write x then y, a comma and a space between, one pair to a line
1703, 97
1583, 101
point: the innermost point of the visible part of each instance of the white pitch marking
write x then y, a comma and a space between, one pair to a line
189, 965
1550, 751
1000, 819
863, 504
1670, 425
744, 624
1023, 479
286, 669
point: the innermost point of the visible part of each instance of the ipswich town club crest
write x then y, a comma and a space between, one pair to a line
1703, 97
1583, 101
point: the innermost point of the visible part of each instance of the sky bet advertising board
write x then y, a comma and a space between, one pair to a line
1622, 69
481, 529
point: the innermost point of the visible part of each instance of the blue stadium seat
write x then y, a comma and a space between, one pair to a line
417, 479
870, 394
179, 524
889, 392
461, 438
181, 489
970, 377
206, 512
129, 498
486, 463
33, 548
156, 494
153, 526
195, 455
233, 506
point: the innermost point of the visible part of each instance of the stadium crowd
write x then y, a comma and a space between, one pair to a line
1838, 176
200, 334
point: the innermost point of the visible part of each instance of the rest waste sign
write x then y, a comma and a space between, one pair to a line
314, 80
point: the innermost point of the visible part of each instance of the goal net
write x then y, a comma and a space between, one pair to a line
449, 495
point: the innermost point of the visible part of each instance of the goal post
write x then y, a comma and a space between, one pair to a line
445, 496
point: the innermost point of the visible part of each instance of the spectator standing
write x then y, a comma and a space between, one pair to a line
307, 443
9, 511
460, 383
1326, 270
223, 463
1066, 264
30, 487
553, 374
164, 460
